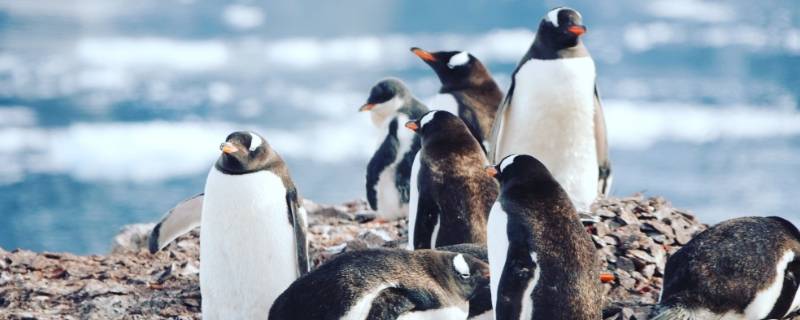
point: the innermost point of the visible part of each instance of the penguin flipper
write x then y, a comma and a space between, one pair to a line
177, 221
383, 157
390, 304
427, 212
601, 140
497, 127
298, 218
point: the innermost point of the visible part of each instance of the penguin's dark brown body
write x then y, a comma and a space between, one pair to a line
451, 194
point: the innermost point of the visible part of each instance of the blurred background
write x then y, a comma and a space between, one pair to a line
112, 111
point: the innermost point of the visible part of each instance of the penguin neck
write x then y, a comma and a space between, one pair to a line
544, 49
386, 110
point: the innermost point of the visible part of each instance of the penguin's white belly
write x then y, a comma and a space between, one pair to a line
390, 205
497, 247
413, 201
551, 117
450, 312
488, 315
247, 245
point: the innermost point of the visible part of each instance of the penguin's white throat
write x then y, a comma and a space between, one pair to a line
385, 110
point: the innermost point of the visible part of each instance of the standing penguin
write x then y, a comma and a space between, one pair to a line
543, 263
465, 78
745, 268
385, 284
552, 110
391, 104
450, 193
253, 231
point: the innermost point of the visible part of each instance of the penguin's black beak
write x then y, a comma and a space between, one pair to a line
491, 171
228, 148
424, 55
412, 125
366, 107
577, 30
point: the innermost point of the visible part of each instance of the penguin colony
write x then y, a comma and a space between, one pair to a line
493, 197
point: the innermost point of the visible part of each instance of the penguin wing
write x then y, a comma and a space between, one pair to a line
390, 304
383, 157
427, 212
497, 127
601, 140
297, 217
177, 221
403, 171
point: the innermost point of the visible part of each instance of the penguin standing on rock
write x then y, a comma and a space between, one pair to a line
465, 78
552, 110
253, 231
543, 263
385, 284
391, 104
450, 193
745, 268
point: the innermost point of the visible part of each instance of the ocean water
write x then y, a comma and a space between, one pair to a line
112, 112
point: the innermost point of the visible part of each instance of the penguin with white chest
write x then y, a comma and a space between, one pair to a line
543, 263
391, 105
384, 284
450, 193
552, 110
469, 82
253, 231
741, 269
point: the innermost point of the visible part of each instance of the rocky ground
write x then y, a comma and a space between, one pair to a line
634, 236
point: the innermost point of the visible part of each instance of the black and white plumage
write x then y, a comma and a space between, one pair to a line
391, 105
543, 262
385, 284
253, 231
480, 305
745, 268
469, 82
450, 193
553, 112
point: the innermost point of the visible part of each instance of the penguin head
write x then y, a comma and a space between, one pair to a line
435, 121
387, 95
521, 169
469, 274
561, 28
454, 68
243, 152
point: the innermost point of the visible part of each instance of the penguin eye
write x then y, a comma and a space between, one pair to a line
464, 276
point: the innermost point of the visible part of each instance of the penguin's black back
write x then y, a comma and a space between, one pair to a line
723, 268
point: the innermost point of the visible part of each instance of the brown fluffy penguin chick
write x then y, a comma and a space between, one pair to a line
385, 284
450, 193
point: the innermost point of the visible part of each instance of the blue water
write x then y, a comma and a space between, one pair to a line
110, 113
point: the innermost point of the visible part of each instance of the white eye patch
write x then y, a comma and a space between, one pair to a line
552, 16
427, 118
507, 162
459, 59
255, 141
461, 265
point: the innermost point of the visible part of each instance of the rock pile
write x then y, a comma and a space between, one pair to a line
634, 237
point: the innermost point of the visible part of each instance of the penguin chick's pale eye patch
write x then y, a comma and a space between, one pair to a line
552, 16
459, 59
461, 265
255, 141
507, 162
427, 118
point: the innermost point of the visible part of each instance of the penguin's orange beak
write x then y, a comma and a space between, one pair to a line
491, 171
366, 107
424, 55
577, 30
607, 277
412, 125
228, 148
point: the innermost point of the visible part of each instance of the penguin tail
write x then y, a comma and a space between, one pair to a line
177, 221
675, 312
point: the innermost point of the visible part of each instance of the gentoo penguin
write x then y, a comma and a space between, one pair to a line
391, 104
385, 284
465, 78
552, 110
450, 193
253, 231
745, 268
480, 305
543, 263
